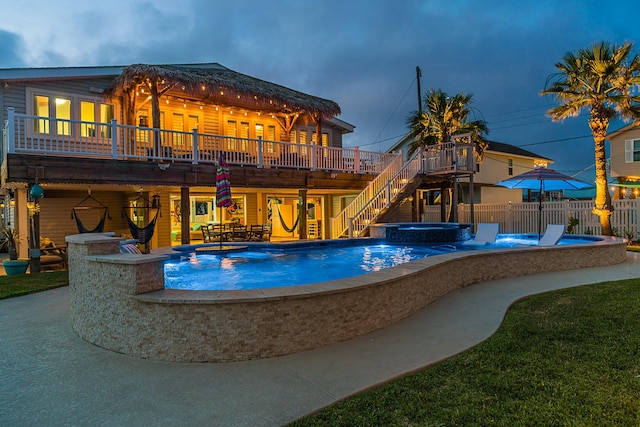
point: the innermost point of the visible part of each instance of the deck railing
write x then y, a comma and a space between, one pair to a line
382, 192
28, 134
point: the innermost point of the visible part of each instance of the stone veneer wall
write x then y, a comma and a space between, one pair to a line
119, 302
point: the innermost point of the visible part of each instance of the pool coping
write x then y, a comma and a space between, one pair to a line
180, 296
118, 301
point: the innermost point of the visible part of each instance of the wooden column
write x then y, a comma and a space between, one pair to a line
34, 244
443, 202
185, 214
302, 225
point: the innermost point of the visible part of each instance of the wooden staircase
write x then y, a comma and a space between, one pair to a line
398, 181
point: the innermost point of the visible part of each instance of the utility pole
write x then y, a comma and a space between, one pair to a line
418, 75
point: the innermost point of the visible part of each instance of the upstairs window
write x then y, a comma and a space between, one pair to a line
510, 166
632, 150
69, 110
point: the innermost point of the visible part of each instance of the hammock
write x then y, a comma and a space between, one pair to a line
295, 224
79, 207
142, 234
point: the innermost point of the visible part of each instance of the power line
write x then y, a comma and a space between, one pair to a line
555, 140
394, 110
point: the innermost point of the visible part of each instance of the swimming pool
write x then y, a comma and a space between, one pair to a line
272, 266
119, 301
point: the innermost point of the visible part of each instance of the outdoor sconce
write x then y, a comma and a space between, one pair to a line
155, 202
36, 191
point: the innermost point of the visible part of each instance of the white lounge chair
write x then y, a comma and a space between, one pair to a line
552, 235
485, 235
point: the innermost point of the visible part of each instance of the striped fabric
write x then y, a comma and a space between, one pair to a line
129, 248
223, 185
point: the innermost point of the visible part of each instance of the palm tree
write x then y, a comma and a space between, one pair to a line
603, 79
443, 117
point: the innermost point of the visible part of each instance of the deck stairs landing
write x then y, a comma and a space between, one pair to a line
398, 181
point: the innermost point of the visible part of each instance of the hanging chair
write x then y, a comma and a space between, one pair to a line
80, 207
142, 234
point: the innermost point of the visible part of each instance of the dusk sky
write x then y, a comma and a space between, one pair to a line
361, 54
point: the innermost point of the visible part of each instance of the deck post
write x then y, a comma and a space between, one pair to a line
114, 139
260, 153
11, 148
314, 156
196, 151
356, 159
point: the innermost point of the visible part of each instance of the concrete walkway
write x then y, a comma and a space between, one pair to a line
49, 376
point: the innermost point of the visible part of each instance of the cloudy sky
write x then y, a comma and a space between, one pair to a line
361, 54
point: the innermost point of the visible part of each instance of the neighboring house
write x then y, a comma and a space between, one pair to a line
500, 161
624, 161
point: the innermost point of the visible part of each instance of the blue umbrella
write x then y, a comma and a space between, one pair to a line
546, 180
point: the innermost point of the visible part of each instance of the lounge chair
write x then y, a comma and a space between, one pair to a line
53, 255
486, 234
552, 235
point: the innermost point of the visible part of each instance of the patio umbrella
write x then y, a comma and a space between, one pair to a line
223, 189
546, 180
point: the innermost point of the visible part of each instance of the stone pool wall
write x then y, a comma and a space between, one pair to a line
119, 302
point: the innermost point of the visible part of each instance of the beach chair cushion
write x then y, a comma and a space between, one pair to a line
552, 235
486, 234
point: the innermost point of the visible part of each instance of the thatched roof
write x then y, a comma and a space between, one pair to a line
213, 83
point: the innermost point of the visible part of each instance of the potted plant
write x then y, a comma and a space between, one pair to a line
12, 265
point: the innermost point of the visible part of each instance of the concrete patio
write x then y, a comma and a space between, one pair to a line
52, 377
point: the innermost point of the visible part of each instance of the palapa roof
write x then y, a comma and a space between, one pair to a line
214, 83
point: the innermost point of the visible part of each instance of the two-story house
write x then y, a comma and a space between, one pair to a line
624, 161
127, 148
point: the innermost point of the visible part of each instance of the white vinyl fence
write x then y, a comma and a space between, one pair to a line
523, 217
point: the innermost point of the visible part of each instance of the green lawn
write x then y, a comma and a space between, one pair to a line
22, 284
564, 358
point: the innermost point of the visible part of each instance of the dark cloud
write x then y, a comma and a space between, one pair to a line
10, 50
363, 55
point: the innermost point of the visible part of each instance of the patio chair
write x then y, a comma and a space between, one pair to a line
552, 235
239, 233
485, 235
256, 233
206, 233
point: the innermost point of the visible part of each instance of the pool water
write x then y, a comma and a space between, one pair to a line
273, 268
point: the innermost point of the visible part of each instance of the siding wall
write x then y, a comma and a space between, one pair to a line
620, 168
57, 206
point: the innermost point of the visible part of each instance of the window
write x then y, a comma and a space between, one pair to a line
87, 114
632, 150
303, 140
510, 166
178, 126
63, 111
69, 110
271, 136
41, 109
